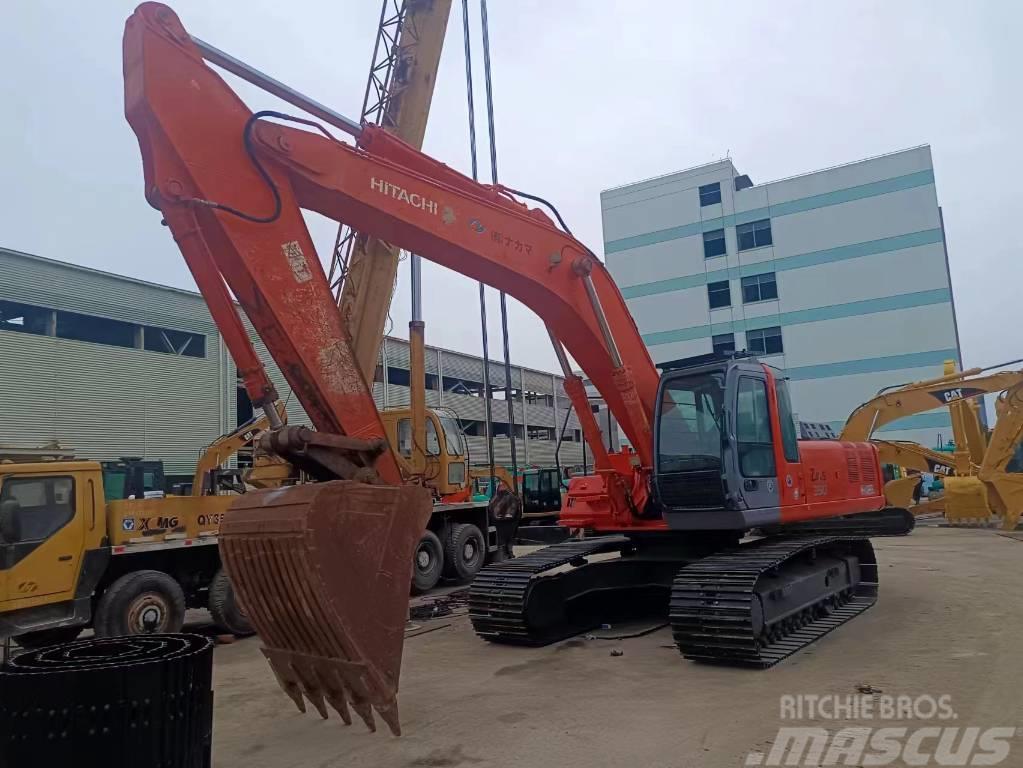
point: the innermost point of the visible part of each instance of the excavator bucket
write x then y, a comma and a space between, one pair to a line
966, 501
323, 572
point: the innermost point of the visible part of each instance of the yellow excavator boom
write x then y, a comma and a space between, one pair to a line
981, 483
226, 446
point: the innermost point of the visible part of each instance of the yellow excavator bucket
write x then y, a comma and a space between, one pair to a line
323, 572
966, 501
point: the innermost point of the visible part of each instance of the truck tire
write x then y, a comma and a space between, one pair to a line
140, 603
465, 551
427, 563
42, 638
225, 609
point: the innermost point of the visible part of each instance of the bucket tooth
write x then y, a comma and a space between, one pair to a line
365, 711
339, 700
285, 679
324, 570
389, 714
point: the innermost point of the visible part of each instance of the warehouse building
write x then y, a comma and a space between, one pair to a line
840, 277
111, 366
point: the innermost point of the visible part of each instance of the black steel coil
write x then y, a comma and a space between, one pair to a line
144, 701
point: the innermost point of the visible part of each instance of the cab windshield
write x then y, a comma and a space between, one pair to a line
690, 424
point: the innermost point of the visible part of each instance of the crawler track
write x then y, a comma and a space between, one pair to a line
499, 606
730, 608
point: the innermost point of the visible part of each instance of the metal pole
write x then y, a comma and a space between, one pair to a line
605, 329
417, 367
417, 287
507, 392
261, 80
487, 403
504, 301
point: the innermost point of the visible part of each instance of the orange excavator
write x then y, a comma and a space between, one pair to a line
323, 568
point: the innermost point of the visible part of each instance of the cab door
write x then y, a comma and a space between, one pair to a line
754, 441
41, 538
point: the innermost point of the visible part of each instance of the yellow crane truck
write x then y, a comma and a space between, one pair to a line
76, 552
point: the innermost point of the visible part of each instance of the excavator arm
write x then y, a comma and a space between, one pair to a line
226, 446
231, 186
324, 569
1005, 488
919, 397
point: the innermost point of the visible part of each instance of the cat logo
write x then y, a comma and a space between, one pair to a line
952, 394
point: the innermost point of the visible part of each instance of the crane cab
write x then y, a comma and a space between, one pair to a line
728, 456
446, 452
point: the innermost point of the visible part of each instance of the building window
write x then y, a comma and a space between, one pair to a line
25, 318
98, 330
765, 341
710, 194
755, 234
713, 243
724, 343
759, 288
718, 295
174, 342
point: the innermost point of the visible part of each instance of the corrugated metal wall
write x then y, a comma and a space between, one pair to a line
108, 401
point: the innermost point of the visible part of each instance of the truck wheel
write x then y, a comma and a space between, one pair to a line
225, 609
141, 603
427, 563
465, 551
41, 638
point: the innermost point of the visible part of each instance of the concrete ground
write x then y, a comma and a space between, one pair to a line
949, 622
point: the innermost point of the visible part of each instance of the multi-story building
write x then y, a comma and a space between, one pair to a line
840, 277
112, 366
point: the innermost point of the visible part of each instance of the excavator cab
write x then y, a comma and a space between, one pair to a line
724, 436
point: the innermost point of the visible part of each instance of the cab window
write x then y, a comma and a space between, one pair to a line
753, 429
789, 438
432, 442
114, 482
405, 438
34, 508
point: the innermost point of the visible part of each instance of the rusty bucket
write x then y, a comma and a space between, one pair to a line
323, 572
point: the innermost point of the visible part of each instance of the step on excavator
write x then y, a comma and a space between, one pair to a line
323, 568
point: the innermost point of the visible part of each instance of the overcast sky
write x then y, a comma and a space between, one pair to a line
589, 94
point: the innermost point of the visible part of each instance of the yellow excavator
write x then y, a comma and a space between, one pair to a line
210, 476
979, 478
